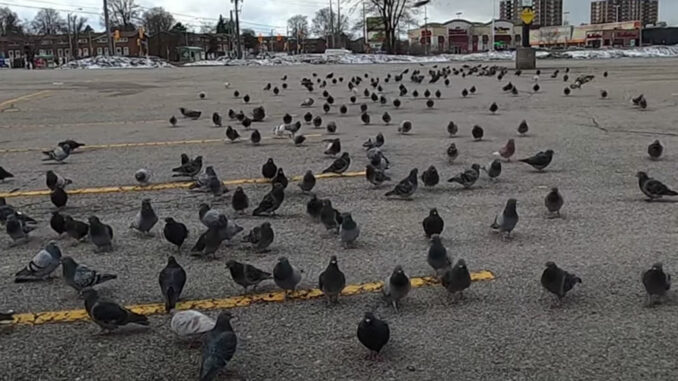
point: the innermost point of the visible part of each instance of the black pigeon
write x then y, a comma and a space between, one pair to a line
255, 137
246, 122
383, 100
452, 128
427, 93
363, 108
415, 93
605, 74
340, 165
172, 279
386, 118
636, 100
240, 201
175, 232
457, 279
329, 216
430, 177
554, 201
433, 223
655, 149
566, 91
656, 283
317, 122
396, 103
109, 315
269, 169
280, 178
332, 281
246, 98
477, 133
540, 160
75, 229
192, 114
216, 119
536, 87
406, 187
472, 90
4, 174
218, 348
271, 201
236, 94
307, 182
343, 109
246, 275
58, 223
464, 93
331, 127
334, 147
326, 108
267, 87
523, 128
558, 281
299, 140
173, 121
308, 117
430, 103
188, 168
258, 114
603, 94
59, 197
373, 334
365, 118
276, 90
313, 207
375, 176
330, 100
353, 99
438, 94
494, 107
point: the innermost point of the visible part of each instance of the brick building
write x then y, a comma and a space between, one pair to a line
607, 11
548, 12
510, 10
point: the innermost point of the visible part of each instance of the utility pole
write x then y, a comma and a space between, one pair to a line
339, 23
331, 25
237, 28
364, 22
230, 34
108, 28
494, 10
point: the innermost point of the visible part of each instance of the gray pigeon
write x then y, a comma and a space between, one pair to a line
558, 281
109, 315
396, 287
554, 201
332, 281
406, 187
329, 216
457, 279
653, 189
271, 201
285, 275
210, 241
142, 176
55, 180
507, 220
494, 169
437, 256
42, 265
218, 348
246, 275
656, 283
172, 279
208, 216
146, 218
260, 237
80, 276
655, 149
375, 176
58, 154
348, 230
307, 182
468, 177
100, 234
17, 229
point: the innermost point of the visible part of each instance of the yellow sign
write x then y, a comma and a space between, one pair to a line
116, 34
527, 15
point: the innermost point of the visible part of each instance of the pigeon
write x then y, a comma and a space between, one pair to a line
109, 315
42, 265
365, 118
536, 87
373, 333
494, 169
539, 161
308, 102
653, 189
258, 114
437, 255
472, 90
396, 287
146, 218
375, 176
333, 148
363, 108
636, 100
477, 133
433, 223
656, 283
514, 91
655, 150
605, 74
307, 182
17, 229
523, 128
331, 127
285, 275
348, 230
386, 118
494, 107
58, 154
332, 281
72, 144
175, 232
193, 114
53, 180
554, 201
276, 91
464, 93
80, 276
188, 169
280, 178
246, 98
190, 324
452, 128
406, 187
468, 177
255, 137
507, 151
240, 201
396, 103
340, 165
317, 121
343, 109
430, 103
202, 95
507, 87
330, 217
299, 140
216, 119
232, 114
314, 207
415, 94
100, 234
246, 275
566, 91
326, 108
75, 229
603, 94
374, 97
260, 237
456, 279
558, 281
142, 176
438, 94
232, 134
58, 223
172, 279
236, 94
507, 220
219, 345
430, 176
271, 201
452, 153
59, 197
405, 127
269, 169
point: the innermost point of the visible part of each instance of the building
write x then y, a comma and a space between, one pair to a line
548, 12
510, 10
462, 36
607, 11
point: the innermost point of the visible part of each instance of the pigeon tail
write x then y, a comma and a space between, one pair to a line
138, 319
171, 300
106, 277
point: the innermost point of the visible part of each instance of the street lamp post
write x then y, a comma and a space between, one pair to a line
494, 10
423, 3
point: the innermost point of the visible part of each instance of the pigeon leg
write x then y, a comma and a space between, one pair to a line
395, 306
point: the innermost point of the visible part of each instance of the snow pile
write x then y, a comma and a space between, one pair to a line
117, 62
360, 59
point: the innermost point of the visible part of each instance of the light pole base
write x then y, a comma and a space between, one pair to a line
526, 59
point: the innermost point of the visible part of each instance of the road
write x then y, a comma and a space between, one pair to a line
505, 329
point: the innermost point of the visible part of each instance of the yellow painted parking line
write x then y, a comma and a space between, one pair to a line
231, 302
166, 186
141, 144
24, 98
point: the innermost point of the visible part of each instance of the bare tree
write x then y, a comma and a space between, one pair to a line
123, 14
9, 22
393, 13
48, 21
298, 25
327, 23
75, 26
157, 20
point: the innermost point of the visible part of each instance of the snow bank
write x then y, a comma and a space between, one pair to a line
116, 62
319, 59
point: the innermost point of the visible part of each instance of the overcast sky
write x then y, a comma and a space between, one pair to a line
264, 15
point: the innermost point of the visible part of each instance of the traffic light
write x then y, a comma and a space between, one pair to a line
116, 34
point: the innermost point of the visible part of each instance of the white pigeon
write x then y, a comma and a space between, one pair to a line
190, 323
227, 84
281, 132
